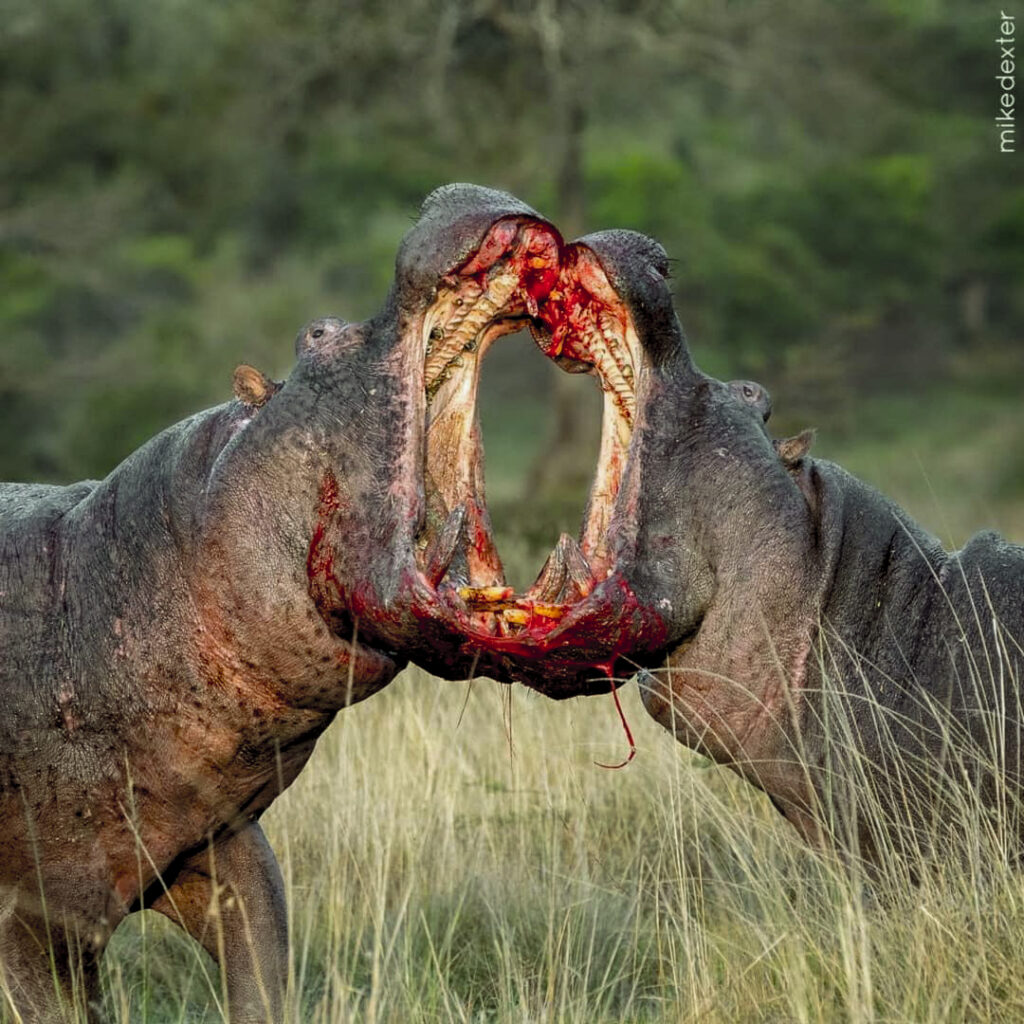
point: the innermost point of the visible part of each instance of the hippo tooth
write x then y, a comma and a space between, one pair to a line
445, 545
486, 595
551, 579
544, 609
614, 344
465, 328
565, 578
611, 331
613, 380
578, 569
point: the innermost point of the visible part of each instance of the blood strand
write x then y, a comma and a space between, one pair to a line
625, 726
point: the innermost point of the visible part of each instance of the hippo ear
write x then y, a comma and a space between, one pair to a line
792, 449
252, 387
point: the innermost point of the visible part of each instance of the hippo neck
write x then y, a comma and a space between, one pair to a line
187, 594
249, 566
213, 705
735, 690
883, 576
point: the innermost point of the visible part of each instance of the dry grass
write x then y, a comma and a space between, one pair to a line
433, 876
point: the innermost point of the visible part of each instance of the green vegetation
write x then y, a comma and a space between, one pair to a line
182, 185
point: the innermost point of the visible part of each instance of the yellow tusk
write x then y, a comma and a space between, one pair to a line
485, 595
549, 611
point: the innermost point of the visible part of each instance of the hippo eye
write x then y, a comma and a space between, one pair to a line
318, 333
748, 391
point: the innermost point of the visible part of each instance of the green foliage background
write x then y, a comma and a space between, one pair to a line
184, 183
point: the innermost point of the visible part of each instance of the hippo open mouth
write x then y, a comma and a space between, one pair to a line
522, 274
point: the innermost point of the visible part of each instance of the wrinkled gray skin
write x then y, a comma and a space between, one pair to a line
823, 645
165, 674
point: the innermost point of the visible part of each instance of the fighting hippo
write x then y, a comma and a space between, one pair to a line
177, 636
166, 672
829, 649
819, 641
792, 622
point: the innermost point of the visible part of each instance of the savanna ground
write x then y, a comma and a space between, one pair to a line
453, 852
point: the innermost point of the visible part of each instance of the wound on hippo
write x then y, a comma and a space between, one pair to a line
518, 272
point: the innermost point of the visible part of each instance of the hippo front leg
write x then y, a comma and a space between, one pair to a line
230, 898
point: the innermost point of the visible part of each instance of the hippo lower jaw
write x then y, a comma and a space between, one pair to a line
581, 611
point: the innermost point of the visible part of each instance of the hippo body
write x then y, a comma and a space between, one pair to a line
828, 648
920, 650
165, 674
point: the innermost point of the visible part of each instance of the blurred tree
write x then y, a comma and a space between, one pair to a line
182, 184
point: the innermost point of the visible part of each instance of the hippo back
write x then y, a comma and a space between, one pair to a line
30, 515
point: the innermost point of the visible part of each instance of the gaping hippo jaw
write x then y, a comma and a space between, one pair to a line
479, 265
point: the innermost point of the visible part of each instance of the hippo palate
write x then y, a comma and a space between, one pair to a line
522, 275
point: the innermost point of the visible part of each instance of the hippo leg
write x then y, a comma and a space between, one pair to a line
46, 974
230, 899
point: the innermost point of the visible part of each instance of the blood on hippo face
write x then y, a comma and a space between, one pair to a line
428, 579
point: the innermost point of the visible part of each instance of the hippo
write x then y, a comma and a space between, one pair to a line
833, 653
811, 635
177, 636
166, 673
786, 619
